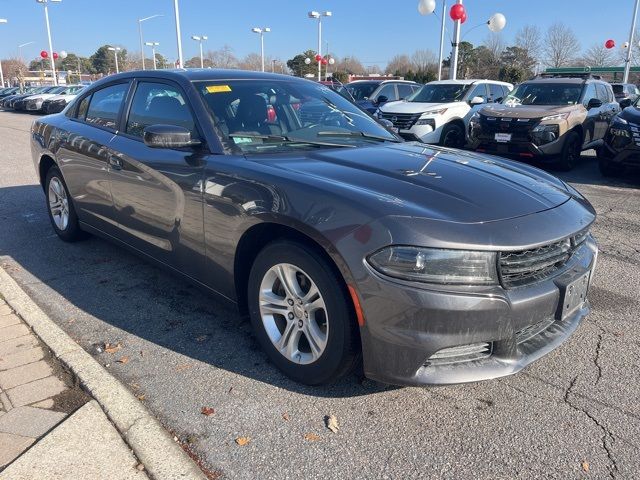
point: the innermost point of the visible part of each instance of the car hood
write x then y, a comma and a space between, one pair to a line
40, 96
631, 114
403, 106
526, 111
411, 179
67, 97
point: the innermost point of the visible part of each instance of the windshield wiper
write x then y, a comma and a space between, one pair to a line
284, 138
357, 134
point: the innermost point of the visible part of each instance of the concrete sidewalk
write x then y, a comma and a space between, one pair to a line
40, 436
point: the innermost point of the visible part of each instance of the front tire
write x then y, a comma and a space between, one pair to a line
571, 151
301, 314
452, 136
62, 212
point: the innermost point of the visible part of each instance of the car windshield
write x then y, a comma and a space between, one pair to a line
360, 91
57, 90
267, 116
544, 94
439, 93
618, 89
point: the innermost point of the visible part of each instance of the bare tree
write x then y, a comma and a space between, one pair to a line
561, 46
597, 56
223, 58
423, 60
529, 38
350, 65
495, 44
398, 64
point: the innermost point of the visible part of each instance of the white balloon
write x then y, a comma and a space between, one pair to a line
332, 61
426, 7
497, 22
63, 54
307, 61
625, 45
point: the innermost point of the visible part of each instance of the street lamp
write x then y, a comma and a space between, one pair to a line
427, 7
115, 51
20, 46
46, 17
178, 34
140, 20
261, 32
200, 39
153, 46
627, 60
318, 16
2, 20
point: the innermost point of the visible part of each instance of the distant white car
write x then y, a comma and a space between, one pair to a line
35, 103
440, 111
58, 103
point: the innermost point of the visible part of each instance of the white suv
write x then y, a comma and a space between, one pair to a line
440, 111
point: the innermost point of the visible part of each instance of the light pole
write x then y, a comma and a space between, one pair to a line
178, 34
46, 17
200, 39
318, 16
2, 20
261, 32
153, 46
140, 20
627, 60
115, 51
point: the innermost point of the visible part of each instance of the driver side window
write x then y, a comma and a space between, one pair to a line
388, 91
589, 93
479, 91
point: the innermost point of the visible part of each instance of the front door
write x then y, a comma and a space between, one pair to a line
157, 192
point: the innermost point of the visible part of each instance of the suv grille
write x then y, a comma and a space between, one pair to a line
402, 121
519, 128
529, 266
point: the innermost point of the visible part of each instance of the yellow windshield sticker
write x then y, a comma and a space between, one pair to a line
218, 88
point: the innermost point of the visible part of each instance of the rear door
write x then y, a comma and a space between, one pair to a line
157, 191
84, 154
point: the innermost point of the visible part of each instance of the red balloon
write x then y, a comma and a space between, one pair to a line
324, 61
44, 54
318, 57
609, 44
464, 17
457, 11
55, 55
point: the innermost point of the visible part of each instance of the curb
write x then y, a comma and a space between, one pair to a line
162, 458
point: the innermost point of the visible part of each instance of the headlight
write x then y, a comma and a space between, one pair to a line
433, 265
434, 112
620, 120
475, 118
556, 117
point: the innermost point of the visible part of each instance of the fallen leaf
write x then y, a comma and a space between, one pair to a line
230, 390
111, 348
123, 360
332, 423
207, 411
201, 338
140, 467
141, 353
285, 416
242, 441
183, 367
141, 397
585, 466
312, 437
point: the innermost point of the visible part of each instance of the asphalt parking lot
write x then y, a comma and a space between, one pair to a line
573, 414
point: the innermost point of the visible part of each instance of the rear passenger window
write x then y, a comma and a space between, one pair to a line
158, 103
105, 105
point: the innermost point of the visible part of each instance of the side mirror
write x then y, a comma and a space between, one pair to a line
388, 124
476, 101
168, 136
594, 103
382, 99
625, 103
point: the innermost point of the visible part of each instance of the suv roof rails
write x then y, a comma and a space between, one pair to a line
585, 75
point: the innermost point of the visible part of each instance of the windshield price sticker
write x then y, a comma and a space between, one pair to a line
218, 88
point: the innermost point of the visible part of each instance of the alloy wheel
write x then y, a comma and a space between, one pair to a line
293, 313
58, 204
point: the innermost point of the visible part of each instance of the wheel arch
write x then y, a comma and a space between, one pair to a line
44, 165
453, 121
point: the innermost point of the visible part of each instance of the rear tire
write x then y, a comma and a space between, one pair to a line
571, 151
62, 212
301, 314
452, 136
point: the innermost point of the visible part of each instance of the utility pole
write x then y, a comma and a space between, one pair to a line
453, 67
444, 17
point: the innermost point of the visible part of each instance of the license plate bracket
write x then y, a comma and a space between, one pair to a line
503, 137
573, 295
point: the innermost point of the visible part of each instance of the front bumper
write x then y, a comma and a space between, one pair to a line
32, 106
406, 325
422, 133
623, 151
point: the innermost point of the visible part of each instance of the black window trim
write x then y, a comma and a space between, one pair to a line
122, 125
74, 112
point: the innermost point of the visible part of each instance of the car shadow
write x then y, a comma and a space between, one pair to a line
104, 281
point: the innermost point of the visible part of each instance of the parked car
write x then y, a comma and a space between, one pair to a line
57, 103
622, 142
5, 92
625, 93
14, 102
7, 98
439, 112
549, 119
35, 103
338, 239
371, 94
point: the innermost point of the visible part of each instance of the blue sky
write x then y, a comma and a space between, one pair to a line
373, 31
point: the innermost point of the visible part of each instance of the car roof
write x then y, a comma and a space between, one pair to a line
576, 80
467, 81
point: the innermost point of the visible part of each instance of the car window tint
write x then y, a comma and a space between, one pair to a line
478, 91
404, 90
495, 92
105, 105
158, 103
83, 107
389, 91
602, 93
589, 93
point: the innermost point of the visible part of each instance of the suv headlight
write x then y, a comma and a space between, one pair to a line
475, 118
556, 117
434, 112
434, 265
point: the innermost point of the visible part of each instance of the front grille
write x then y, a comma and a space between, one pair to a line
463, 353
529, 266
402, 121
519, 128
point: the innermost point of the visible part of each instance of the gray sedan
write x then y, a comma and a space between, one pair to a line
343, 244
